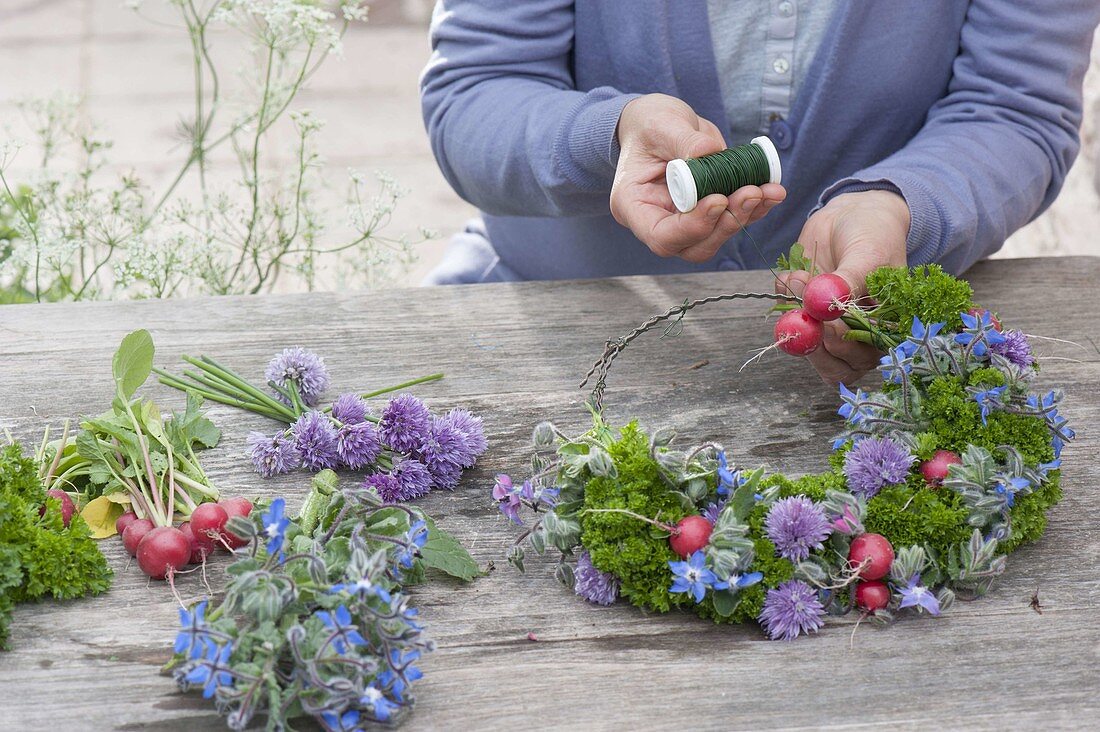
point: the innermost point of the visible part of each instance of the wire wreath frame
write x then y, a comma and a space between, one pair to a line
615, 346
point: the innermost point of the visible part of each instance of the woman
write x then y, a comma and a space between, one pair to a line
919, 132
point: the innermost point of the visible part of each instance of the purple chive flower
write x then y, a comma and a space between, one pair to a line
385, 485
791, 609
796, 525
470, 427
414, 479
302, 368
350, 409
443, 453
600, 588
405, 423
315, 438
876, 462
507, 496
357, 444
273, 455
1015, 348
917, 595
710, 513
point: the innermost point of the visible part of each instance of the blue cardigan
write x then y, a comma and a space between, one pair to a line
970, 109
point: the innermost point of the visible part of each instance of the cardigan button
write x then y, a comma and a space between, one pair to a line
781, 133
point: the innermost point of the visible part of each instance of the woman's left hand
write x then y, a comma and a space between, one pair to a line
852, 235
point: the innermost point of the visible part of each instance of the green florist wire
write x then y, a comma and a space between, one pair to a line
722, 172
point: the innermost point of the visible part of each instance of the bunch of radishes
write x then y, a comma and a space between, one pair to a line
799, 331
163, 550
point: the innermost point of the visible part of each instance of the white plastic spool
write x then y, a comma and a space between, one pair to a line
681, 184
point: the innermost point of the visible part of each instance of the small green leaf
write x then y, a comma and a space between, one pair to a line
443, 552
133, 362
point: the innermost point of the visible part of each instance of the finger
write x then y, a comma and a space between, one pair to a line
860, 357
856, 263
831, 369
774, 193
792, 283
727, 226
668, 234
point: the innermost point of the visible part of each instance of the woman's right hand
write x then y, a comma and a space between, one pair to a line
654, 129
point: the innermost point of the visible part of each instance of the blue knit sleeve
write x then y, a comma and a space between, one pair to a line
509, 130
994, 152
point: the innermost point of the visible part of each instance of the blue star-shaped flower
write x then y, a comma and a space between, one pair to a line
414, 539
979, 333
739, 581
919, 332
692, 576
275, 522
343, 630
401, 673
213, 671
728, 480
917, 595
346, 722
374, 701
989, 399
362, 587
1007, 490
192, 637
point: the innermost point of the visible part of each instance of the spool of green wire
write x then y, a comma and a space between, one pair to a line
722, 172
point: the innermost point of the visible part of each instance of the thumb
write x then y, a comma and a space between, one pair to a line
856, 263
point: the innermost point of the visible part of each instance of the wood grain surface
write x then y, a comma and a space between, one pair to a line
514, 353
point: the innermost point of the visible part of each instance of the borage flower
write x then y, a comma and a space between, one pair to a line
600, 588
506, 494
414, 539
876, 462
315, 438
979, 333
401, 673
192, 638
298, 368
737, 582
405, 423
344, 632
728, 480
796, 525
213, 671
346, 722
791, 609
273, 455
375, 702
1008, 488
275, 522
692, 576
989, 399
362, 587
917, 595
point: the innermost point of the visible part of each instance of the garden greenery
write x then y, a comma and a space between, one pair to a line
76, 232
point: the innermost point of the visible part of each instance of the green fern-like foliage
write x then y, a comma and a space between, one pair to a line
926, 292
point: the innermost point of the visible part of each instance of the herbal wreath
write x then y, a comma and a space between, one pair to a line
934, 479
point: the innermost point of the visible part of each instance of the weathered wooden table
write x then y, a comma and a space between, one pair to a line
514, 353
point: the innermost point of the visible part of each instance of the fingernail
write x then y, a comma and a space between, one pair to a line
750, 205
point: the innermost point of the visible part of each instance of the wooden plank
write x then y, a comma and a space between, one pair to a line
515, 353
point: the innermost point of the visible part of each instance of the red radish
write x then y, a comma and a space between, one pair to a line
201, 547
823, 293
979, 312
208, 521
935, 470
797, 333
67, 507
872, 595
125, 520
873, 547
134, 533
235, 506
162, 551
691, 535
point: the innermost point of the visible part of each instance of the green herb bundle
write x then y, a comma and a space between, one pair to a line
40, 556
